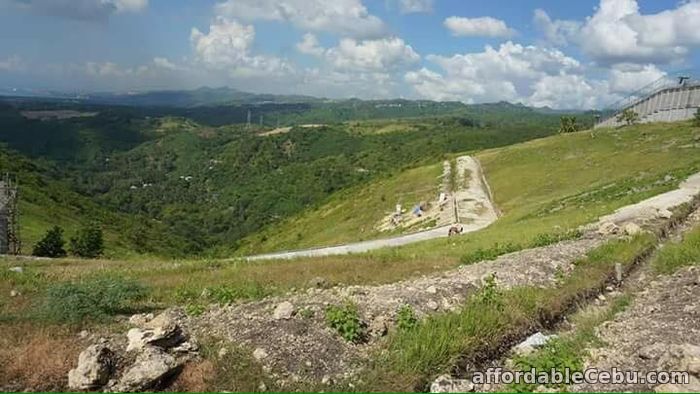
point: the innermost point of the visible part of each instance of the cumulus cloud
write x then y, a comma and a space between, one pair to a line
558, 32
512, 72
380, 54
227, 45
164, 63
415, 6
478, 27
80, 9
626, 78
309, 45
567, 91
618, 33
345, 17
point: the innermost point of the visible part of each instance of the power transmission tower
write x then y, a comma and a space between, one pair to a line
9, 217
248, 123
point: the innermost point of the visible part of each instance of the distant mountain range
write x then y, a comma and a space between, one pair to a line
206, 96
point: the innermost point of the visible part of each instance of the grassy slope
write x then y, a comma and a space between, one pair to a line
616, 158
558, 183
350, 215
542, 186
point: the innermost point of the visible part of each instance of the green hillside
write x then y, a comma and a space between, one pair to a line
542, 186
181, 188
557, 183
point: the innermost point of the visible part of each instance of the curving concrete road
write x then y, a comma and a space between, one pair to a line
475, 199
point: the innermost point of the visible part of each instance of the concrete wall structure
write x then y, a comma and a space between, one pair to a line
668, 101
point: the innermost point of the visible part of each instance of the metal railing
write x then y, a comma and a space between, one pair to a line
683, 79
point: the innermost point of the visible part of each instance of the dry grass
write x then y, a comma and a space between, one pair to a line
195, 377
36, 358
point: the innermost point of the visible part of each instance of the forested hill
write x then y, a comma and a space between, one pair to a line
171, 185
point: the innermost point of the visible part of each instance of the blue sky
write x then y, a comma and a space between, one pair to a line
563, 54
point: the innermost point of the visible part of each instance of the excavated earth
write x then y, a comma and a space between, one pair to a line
304, 348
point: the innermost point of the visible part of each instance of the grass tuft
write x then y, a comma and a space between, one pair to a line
677, 255
90, 299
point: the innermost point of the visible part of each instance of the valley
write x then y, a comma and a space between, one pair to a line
183, 206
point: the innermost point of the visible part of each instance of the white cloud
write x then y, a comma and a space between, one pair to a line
618, 33
162, 62
381, 54
626, 78
558, 32
309, 45
516, 73
227, 45
105, 69
478, 27
345, 17
570, 91
415, 6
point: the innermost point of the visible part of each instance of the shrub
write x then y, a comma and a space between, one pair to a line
51, 245
94, 298
628, 116
345, 320
88, 242
567, 124
489, 294
406, 318
557, 354
696, 119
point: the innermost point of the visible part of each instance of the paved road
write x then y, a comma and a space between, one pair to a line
477, 187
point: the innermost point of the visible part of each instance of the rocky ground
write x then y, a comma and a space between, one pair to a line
294, 342
660, 331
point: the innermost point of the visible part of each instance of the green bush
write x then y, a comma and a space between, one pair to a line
558, 354
88, 242
90, 299
489, 294
345, 320
194, 309
552, 238
406, 318
227, 294
51, 245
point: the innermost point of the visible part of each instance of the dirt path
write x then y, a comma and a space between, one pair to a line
474, 206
